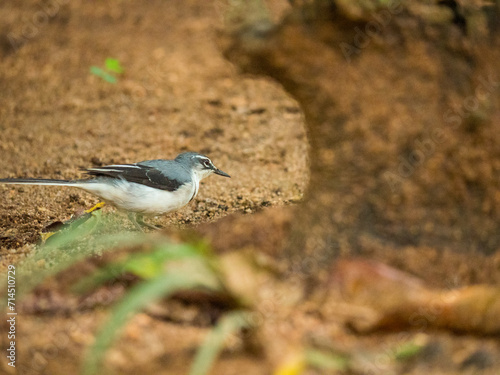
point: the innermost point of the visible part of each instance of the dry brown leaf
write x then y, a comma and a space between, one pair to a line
398, 300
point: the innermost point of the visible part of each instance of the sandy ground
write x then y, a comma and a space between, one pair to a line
177, 94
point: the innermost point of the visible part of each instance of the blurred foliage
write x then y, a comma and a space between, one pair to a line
162, 267
230, 324
331, 360
112, 66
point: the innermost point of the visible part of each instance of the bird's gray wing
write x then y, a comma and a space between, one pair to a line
140, 173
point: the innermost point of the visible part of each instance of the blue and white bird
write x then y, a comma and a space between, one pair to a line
150, 187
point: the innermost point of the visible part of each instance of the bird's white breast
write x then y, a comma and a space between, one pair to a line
135, 197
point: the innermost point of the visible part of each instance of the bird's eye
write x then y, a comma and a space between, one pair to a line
206, 164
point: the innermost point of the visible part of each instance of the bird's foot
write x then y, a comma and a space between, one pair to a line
139, 223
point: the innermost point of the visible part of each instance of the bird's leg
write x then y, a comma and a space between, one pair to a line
132, 217
140, 220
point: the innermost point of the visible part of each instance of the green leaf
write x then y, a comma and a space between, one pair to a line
214, 341
69, 247
136, 299
98, 278
146, 266
113, 65
408, 350
95, 70
150, 265
326, 361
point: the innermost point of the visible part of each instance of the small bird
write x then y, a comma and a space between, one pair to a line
150, 187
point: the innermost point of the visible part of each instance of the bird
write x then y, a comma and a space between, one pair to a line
146, 188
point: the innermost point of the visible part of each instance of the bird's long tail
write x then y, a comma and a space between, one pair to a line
38, 181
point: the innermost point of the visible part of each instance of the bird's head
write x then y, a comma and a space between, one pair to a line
199, 164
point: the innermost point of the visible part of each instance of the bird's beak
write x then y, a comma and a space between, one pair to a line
220, 173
